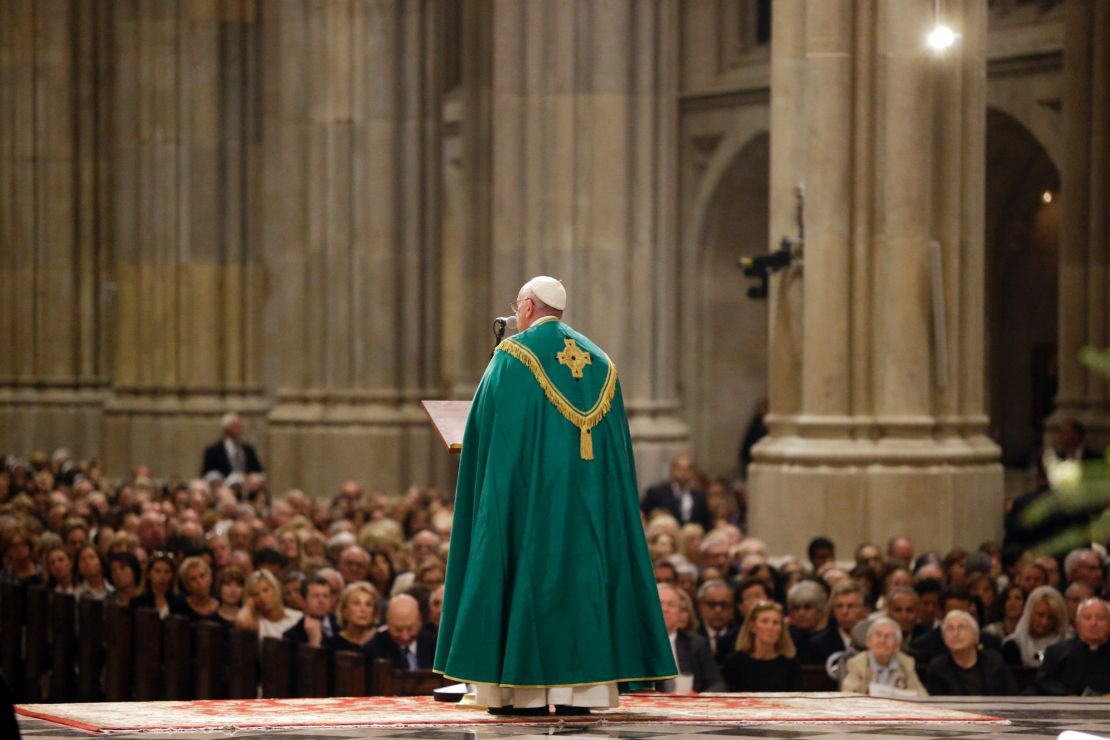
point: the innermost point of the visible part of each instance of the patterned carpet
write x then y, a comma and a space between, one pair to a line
381, 712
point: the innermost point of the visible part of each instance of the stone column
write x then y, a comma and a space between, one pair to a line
582, 168
349, 225
1084, 237
875, 427
53, 368
188, 284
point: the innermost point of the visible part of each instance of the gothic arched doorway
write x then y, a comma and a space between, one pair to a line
1022, 243
730, 375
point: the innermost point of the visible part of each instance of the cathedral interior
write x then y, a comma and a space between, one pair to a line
309, 212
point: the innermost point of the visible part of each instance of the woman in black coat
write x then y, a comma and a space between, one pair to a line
965, 670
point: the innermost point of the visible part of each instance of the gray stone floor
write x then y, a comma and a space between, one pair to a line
1032, 717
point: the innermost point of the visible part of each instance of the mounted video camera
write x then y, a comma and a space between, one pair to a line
763, 266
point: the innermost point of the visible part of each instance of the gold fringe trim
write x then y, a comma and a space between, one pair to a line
584, 420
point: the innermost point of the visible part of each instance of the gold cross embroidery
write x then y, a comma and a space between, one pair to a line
573, 357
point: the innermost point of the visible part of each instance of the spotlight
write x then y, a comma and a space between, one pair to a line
1046, 197
941, 37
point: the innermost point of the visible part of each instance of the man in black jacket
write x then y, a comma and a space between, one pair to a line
679, 497
402, 643
231, 454
691, 650
1080, 665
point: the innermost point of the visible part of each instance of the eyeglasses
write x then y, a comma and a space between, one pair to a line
514, 304
717, 604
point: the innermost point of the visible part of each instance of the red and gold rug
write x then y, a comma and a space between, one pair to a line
423, 711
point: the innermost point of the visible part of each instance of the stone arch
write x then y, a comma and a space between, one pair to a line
1022, 261
1041, 121
725, 342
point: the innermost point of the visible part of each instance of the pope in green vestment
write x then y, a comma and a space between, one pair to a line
548, 581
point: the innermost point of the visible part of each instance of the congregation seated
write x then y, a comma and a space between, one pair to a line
882, 669
86, 535
967, 669
765, 658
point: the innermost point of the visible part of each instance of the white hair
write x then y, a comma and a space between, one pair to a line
882, 620
228, 419
960, 614
1073, 558
1093, 601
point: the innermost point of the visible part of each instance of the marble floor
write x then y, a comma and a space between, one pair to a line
1030, 717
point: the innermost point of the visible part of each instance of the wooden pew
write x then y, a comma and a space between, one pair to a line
243, 665
90, 649
63, 647
146, 684
13, 610
211, 648
277, 668
177, 658
390, 681
118, 646
313, 666
350, 673
36, 645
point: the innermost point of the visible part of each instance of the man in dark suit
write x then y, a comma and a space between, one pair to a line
402, 643
691, 651
848, 609
318, 622
1081, 664
679, 497
231, 454
716, 607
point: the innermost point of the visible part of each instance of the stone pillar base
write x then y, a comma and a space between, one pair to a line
316, 446
939, 506
657, 438
44, 418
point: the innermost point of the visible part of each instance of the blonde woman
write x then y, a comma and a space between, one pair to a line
264, 612
1043, 623
765, 657
357, 615
196, 581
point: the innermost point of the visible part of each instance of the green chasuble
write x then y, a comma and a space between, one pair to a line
548, 577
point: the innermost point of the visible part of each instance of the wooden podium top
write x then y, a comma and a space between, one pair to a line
449, 419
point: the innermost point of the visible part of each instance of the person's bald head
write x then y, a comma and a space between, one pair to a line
402, 618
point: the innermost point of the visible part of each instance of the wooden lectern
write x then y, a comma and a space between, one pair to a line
449, 419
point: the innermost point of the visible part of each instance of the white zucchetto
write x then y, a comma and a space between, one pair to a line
549, 290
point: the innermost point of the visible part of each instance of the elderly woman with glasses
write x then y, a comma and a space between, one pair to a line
965, 669
882, 669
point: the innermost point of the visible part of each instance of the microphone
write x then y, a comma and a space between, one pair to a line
500, 324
